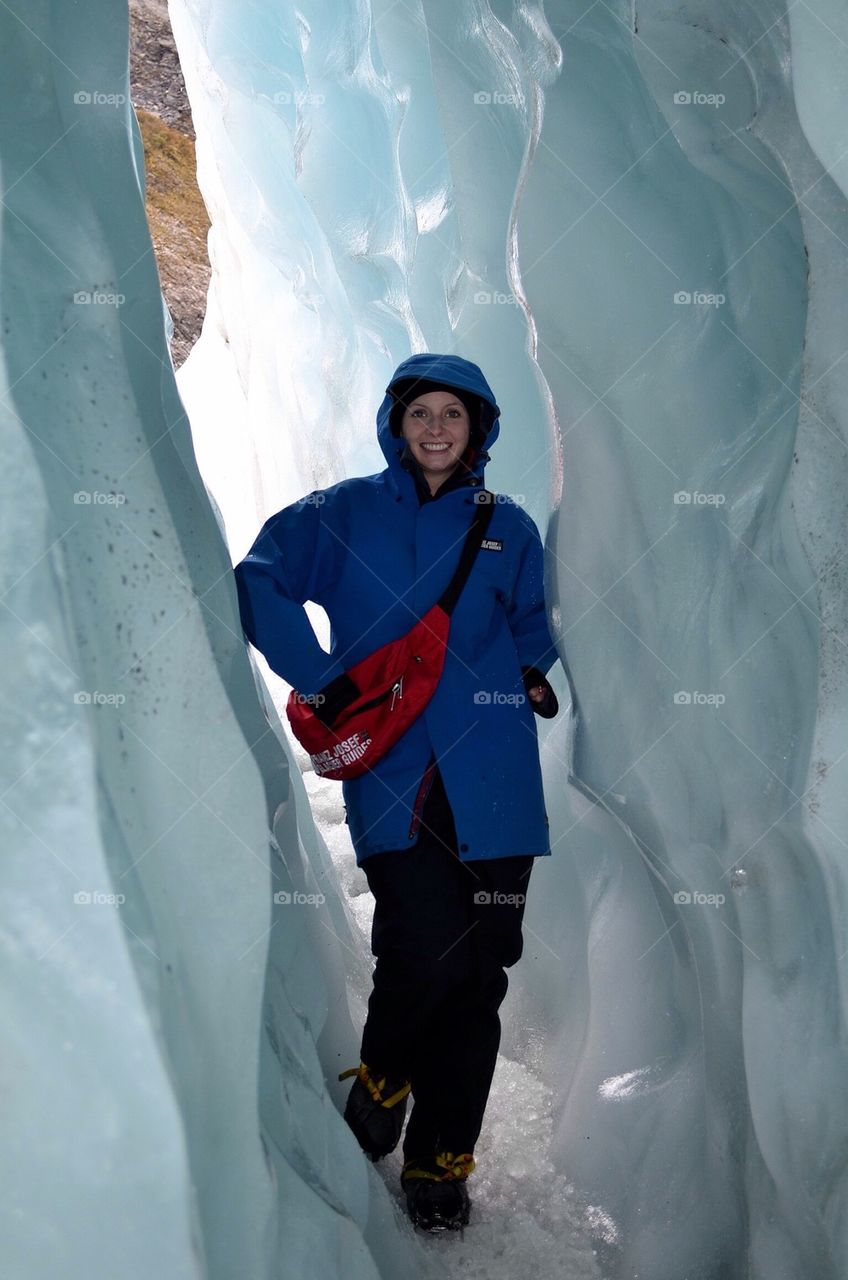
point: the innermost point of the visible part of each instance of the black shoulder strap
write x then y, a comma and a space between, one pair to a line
485, 503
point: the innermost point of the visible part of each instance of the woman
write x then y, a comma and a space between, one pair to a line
447, 824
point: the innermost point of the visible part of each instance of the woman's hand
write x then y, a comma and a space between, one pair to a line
540, 693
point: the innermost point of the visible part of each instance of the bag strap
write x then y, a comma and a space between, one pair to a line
485, 502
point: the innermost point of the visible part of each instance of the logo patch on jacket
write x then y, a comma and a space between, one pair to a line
491, 544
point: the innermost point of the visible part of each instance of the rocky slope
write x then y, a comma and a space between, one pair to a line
175, 209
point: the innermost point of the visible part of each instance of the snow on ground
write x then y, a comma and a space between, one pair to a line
525, 1219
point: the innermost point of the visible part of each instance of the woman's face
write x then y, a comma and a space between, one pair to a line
437, 428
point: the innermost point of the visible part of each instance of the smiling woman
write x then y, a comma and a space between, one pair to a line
448, 822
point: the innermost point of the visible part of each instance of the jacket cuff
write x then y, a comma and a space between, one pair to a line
549, 706
330, 701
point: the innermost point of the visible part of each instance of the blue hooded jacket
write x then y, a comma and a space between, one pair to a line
376, 556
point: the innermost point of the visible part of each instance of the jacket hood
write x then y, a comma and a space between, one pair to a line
455, 372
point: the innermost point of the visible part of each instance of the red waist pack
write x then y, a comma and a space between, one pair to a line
394, 683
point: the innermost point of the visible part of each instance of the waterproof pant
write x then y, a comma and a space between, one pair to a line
444, 932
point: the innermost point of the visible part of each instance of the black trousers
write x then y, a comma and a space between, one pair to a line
444, 932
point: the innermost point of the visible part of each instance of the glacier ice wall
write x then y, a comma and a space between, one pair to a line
164, 1107
721, 598
629, 214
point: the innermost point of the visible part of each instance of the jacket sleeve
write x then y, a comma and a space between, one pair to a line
283, 568
526, 612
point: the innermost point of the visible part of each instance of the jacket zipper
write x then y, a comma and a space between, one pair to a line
423, 791
395, 689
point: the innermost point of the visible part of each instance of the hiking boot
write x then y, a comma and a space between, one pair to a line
436, 1195
375, 1110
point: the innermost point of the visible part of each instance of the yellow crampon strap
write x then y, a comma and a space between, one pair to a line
376, 1087
453, 1166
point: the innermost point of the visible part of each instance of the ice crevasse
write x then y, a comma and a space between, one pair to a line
634, 218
